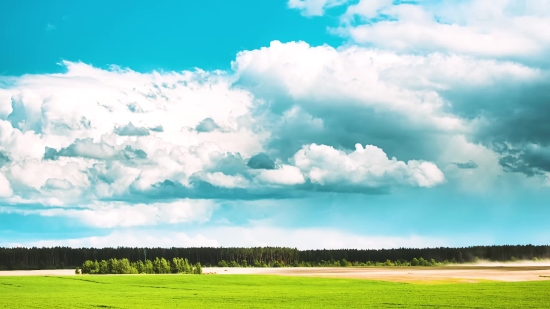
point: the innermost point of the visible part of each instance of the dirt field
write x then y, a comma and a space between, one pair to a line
53, 272
407, 274
474, 273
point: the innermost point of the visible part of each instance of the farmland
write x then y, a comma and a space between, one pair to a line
261, 291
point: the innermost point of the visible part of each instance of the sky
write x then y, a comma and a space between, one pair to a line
302, 123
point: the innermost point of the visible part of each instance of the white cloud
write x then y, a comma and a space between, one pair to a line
314, 238
498, 28
117, 214
303, 239
285, 175
364, 167
413, 106
127, 239
5, 187
314, 7
75, 120
226, 181
86, 134
367, 8
358, 79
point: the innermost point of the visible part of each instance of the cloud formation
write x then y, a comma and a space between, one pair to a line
120, 136
367, 167
229, 236
510, 28
290, 119
117, 214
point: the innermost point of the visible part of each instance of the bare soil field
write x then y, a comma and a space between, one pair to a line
407, 274
473, 273
43, 272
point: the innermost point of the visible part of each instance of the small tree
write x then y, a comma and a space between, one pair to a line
103, 267
148, 267
164, 266
222, 263
140, 266
198, 269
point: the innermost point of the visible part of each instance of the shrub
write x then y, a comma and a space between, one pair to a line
222, 263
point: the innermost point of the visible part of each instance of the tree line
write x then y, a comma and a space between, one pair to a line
66, 257
124, 266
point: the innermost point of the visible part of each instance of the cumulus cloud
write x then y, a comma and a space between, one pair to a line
500, 29
207, 125
376, 103
261, 161
87, 144
131, 130
5, 187
285, 175
285, 122
409, 105
365, 167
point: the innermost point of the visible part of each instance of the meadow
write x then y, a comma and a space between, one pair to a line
260, 291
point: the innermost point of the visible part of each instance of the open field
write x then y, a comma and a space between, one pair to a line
260, 291
43, 272
408, 274
462, 273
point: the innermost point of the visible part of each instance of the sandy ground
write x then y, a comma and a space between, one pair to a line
53, 272
406, 274
474, 273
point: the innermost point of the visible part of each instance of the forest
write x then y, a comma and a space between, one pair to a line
66, 257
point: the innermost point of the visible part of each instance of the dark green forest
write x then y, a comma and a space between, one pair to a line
65, 257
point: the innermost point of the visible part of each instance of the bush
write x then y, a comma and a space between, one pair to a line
197, 269
222, 263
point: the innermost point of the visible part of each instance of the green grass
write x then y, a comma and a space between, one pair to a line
253, 291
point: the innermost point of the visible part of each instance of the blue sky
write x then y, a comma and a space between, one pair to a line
303, 123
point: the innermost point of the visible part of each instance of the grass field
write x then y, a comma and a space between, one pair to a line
256, 291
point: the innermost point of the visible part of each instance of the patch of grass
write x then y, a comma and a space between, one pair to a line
254, 291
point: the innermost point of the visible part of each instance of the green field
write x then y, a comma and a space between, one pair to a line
254, 291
